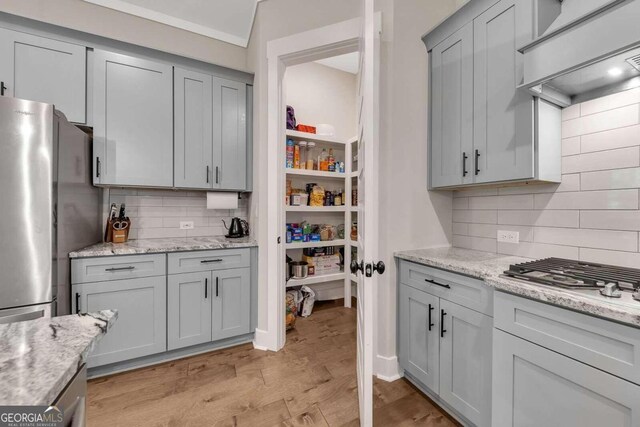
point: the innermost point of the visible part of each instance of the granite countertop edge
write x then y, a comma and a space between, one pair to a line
162, 245
56, 348
489, 268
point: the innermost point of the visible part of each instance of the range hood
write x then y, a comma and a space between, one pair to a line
585, 49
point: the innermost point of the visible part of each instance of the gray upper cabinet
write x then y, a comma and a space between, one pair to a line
465, 361
419, 349
231, 303
133, 121
229, 134
483, 128
503, 136
141, 326
193, 115
45, 70
534, 386
452, 109
188, 309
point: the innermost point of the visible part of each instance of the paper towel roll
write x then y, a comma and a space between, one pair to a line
222, 200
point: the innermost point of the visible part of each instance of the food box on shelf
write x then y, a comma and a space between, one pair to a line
326, 264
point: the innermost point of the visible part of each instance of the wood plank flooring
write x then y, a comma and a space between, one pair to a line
311, 382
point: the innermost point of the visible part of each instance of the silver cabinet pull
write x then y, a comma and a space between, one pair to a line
207, 261
131, 267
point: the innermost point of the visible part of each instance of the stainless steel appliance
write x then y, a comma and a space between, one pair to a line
49, 207
608, 282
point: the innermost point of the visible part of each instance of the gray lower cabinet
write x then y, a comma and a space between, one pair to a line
229, 134
465, 361
141, 326
193, 123
208, 306
534, 386
133, 121
188, 309
446, 346
45, 70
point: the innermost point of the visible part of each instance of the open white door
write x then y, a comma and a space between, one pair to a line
367, 263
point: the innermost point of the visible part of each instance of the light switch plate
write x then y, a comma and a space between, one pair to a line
505, 236
186, 225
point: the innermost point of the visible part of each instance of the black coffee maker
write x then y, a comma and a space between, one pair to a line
239, 228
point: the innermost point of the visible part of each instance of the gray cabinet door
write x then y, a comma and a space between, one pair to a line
419, 331
193, 115
465, 362
503, 134
188, 309
231, 313
133, 121
229, 134
141, 326
44, 70
533, 386
452, 109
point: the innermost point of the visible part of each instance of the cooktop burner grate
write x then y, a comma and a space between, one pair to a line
568, 273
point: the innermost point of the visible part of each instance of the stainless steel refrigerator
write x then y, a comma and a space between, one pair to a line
49, 207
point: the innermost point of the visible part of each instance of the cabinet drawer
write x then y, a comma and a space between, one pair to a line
606, 345
188, 262
87, 270
463, 290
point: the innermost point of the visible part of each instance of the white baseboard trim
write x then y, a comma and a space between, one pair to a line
261, 340
387, 368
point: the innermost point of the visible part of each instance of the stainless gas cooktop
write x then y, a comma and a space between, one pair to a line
609, 282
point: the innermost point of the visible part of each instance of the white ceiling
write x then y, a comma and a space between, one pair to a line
348, 62
226, 20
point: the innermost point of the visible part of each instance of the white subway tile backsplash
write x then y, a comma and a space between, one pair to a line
593, 215
158, 213
605, 239
610, 220
613, 159
611, 139
611, 119
614, 199
611, 179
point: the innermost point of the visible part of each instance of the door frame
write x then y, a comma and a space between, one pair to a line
308, 46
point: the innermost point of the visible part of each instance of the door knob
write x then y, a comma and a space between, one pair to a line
355, 266
379, 267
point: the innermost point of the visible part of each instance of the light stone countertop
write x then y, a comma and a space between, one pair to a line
490, 267
157, 246
39, 357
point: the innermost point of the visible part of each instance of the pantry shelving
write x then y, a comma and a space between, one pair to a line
323, 139
312, 280
316, 174
322, 244
316, 208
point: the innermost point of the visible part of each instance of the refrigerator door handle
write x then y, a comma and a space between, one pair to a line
30, 315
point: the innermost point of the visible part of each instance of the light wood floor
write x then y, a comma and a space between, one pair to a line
311, 382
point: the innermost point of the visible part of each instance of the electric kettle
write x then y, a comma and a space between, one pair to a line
239, 228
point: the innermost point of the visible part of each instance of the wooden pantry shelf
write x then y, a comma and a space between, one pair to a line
312, 280
314, 173
323, 139
301, 245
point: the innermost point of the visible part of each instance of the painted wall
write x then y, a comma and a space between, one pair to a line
321, 94
410, 216
102, 21
593, 215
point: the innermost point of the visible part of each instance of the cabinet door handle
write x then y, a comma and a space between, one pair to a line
207, 261
77, 303
476, 162
438, 284
217, 174
131, 267
442, 329
97, 167
207, 174
206, 288
464, 163
2, 88
431, 308
217, 287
